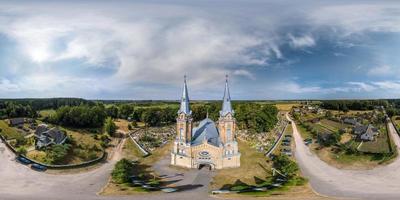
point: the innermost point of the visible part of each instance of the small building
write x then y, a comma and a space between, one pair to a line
359, 129
16, 121
352, 121
46, 137
370, 133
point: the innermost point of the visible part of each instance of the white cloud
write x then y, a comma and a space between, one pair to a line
359, 17
302, 41
245, 73
7, 86
383, 70
361, 86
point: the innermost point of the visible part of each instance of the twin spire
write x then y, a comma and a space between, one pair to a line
185, 100
226, 104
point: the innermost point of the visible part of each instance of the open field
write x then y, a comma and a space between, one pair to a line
131, 151
332, 125
285, 106
382, 144
253, 167
46, 113
9, 132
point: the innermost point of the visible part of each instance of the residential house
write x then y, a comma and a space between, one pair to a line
359, 129
352, 121
46, 136
370, 133
16, 122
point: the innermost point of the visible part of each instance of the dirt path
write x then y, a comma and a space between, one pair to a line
379, 183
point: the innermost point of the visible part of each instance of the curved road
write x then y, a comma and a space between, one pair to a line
19, 182
379, 183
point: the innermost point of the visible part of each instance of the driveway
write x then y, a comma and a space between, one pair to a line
379, 183
19, 182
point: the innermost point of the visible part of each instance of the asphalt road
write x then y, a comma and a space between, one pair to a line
19, 182
379, 183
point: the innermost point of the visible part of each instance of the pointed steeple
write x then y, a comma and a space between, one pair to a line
226, 101
185, 100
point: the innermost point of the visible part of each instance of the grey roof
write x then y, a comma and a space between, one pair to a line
47, 136
16, 121
226, 101
206, 131
40, 129
359, 129
370, 132
185, 100
57, 135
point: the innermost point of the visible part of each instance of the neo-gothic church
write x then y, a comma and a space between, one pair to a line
210, 144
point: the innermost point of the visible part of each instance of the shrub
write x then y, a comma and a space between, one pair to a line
21, 151
122, 171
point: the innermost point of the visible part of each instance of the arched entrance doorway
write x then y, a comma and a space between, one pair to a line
207, 166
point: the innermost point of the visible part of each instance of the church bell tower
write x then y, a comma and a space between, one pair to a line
184, 121
227, 122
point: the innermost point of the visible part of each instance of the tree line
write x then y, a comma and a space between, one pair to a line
346, 105
11, 108
87, 114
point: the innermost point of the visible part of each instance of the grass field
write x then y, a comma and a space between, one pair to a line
382, 144
9, 132
285, 106
130, 150
332, 125
46, 113
253, 166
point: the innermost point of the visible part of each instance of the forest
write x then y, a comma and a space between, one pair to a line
82, 113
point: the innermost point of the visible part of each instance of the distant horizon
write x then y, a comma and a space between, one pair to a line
177, 100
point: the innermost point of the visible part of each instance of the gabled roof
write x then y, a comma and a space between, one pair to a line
206, 131
57, 135
16, 121
184, 108
226, 100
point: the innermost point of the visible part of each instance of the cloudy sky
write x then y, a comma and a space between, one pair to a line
141, 50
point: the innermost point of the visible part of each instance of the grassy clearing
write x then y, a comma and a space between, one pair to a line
122, 125
9, 132
335, 126
130, 150
46, 113
253, 168
285, 106
381, 144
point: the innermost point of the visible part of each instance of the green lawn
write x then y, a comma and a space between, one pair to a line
382, 144
46, 113
332, 125
9, 132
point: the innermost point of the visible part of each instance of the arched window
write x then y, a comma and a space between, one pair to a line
181, 133
228, 133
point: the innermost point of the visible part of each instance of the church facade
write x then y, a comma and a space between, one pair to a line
209, 144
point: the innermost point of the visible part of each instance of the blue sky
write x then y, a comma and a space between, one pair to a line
142, 49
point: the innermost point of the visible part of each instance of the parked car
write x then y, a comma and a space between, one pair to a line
220, 192
288, 136
307, 141
285, 144
23, 160
287, 152
169, 190
38, 167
